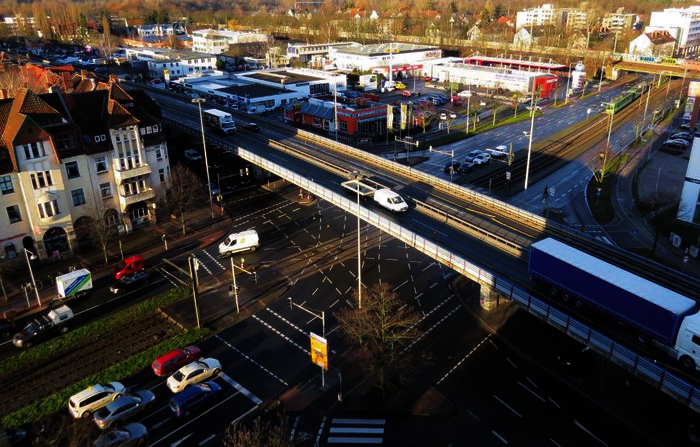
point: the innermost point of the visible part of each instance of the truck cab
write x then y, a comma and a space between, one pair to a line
688, 342
42, 327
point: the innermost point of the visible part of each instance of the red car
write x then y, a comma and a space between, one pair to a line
426, 79
128, 266
406, 93
174, 360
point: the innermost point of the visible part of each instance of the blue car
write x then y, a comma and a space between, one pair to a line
184, 402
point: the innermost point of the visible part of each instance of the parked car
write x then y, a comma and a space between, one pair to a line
465, 168
83, 404
406, 93
192, 155
451, 165
251, 127
482, 159
684, 143
473, 154
124, 408
456, 100
443, 116
174, 360
194, 397
572, 354
7, 327
453, 115
133, 434
464, 94
193, 373
131, 282
426, 78
399, 85
674, 146
687, 136
128, 266
212, 187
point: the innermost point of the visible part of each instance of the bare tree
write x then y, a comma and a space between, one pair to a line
101, 226
599, 167
62, 431
6, 267
383, 330
260, 434
11, 79
184, 193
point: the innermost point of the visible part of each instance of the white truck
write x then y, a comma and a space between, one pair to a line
219, 120
238, 242
74, 284
54, 321
385, 197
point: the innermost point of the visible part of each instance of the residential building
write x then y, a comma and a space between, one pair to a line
619, 21
177, 63
572, 19
160, 29
529, 35
69, 159
683, 24
215, 42
544, 15
655, 43
19, 25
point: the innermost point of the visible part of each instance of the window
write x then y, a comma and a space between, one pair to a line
72, 169
78, 197
13, 214
41, 179
10, 251
34, 150
143, 131
149, 130
159, 154
106, 190
161, 175
6, 185
48, 209
101, 164
64, 142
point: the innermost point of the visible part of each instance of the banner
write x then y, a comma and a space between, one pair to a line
390, 118
319, 351
404, 115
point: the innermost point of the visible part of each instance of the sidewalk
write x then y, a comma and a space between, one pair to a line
149, 243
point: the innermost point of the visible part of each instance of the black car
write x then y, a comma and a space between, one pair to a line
465, 168
573, 354
451, 165
131, 282
7, 327
251, 127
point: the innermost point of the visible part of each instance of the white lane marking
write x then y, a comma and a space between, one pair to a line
533, 393
464, 358
555, 404
267, 325
587, 431
431, 228
499, 437
432, 328
372, 431
294, 326
259, 365
399, 286
240, 388
344, 440
429, 265
509, 361
359, 421
215, 260
531, 382
180, 441
207, 440
507, 406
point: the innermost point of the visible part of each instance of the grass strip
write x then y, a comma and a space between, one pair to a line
601, 206
457, 132
59, 400
90, 331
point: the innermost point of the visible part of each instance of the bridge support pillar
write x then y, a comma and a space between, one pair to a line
489, 299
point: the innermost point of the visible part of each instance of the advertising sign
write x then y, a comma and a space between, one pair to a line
404, 115
390, 117
694, 89
319, 351
369, 82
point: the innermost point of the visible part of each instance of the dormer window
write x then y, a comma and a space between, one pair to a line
34, 150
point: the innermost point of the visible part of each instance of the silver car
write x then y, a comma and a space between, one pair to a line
130, 434
123, 408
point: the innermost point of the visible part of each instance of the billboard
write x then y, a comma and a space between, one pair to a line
319, 351
389, 117
694, 89
369, 82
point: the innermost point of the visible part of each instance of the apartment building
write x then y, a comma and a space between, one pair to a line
216, 42
544, 15
683, 24
67, 160
178, 63
619, 21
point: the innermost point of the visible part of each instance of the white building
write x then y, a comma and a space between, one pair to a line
312, 54
177, 63
160, 29
544, 15
619, 21
683, 24
378, 57
572, 18
656, 43
65, 162
216, 42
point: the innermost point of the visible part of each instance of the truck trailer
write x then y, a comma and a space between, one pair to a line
219, 120
670, 320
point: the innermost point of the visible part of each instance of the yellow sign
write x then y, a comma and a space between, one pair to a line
319, 351
694, 89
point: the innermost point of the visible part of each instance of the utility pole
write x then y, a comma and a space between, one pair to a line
194, 265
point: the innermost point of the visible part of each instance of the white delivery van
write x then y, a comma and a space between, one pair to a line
390, 200
237, 242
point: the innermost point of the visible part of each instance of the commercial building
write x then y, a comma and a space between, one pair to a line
683, 24
216, 42
455, 70
689, 207
354, 120
378, 57
71, 163
312, 54
165, 62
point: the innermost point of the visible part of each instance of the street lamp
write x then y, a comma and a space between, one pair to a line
529, 145
469, 97
452, 159
358, 177
588, 112
31, 273
610, 125
568, 80
199, 102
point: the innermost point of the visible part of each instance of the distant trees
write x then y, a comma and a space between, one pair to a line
157, 16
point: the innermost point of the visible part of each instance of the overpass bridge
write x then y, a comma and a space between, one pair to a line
319, 165
671, 70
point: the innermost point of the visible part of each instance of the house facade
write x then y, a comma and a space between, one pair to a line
656, 43
67, 160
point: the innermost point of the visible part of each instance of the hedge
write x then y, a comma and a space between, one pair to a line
59, 400
90, 331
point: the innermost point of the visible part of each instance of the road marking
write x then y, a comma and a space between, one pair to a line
533, 393
373, 431
399, 286
207, 440
342, 440
294, 326
314, 292
434, 284
499, 437
463, 359
533, 383
429, 227
259, 365
587, 431
555, 404
506, 405
509, 361
213, 259
240, 388
359, 421
431, 328
180, 441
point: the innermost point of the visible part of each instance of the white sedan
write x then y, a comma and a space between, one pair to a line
464, 94
482, 159
193, 373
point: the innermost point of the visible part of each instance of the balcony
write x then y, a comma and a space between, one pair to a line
125, 201
124, 174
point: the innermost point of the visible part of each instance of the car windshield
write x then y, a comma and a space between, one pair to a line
103, 412
31, 327
396, 200
178, 376
121, 266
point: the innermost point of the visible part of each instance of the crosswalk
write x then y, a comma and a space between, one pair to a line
356, 431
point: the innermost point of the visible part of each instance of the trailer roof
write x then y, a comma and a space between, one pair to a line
650, 291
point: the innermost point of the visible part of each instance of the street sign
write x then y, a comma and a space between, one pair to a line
693, 251
507, 175
319, 351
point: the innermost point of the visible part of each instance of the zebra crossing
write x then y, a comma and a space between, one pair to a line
355, 431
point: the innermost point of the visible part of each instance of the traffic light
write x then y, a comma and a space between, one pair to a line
289, 303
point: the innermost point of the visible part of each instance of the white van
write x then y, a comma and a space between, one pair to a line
390, 200
237, 242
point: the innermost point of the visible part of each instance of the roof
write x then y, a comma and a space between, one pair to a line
253, 90
383, 48
660, 37
281, 77
317, 110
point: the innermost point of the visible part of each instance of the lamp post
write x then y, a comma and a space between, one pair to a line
610, 124
469, 97
646, 106
452, 159
680, 91
199, 102
602, 70
529, 145
568, 80
322, 316
358, 177
31, 273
